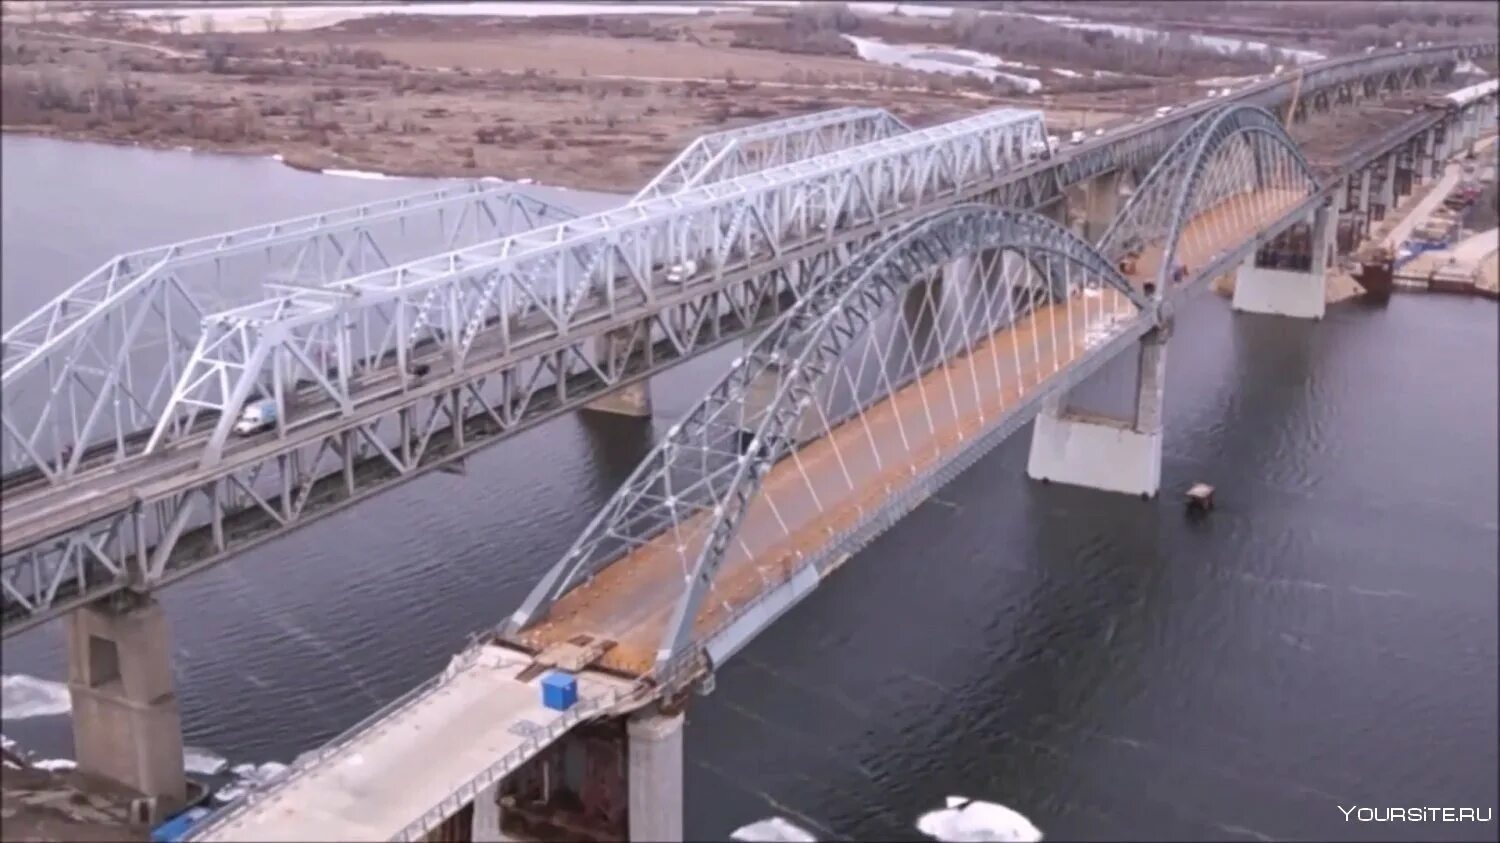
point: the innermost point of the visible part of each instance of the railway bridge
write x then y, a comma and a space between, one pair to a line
908, 298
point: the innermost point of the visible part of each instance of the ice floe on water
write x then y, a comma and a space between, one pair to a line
973, 820
203, 762
773, 830
55, 764
23, 696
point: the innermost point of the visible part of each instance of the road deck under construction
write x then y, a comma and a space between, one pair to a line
832, 481
376, 782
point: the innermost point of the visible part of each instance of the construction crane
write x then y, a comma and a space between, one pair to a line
1291, 107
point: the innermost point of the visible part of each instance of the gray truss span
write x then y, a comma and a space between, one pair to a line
721, 156
1231, 151
698, 482
98, 363
554, 282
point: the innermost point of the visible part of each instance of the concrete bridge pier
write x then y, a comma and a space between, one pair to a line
1099, 452
613, 351
1090, 207
1388, 193
1432, 155
614, 779
1298, 293
655, 776
1365, 177
126, 724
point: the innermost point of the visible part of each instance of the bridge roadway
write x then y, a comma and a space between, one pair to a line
418, 753
460, 730
939, 413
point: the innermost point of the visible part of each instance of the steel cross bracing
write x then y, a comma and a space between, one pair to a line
735, 152
76, 561
95, 317
97, 364
593, 270
820, 367
1235, 150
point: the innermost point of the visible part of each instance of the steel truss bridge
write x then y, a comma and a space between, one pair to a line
387, 358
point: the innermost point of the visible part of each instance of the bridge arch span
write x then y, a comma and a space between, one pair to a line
1238, 161
684, 507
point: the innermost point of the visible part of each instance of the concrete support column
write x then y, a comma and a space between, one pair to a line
633, 400
1098, 452
1388, 186
126, 724
955, 277
1289, 292
655, 777
485, 822
612, 351
1364, 190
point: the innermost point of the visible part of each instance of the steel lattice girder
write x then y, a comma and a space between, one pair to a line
1029, 187
735, 152
794, 353
1160, 205
532, 287
104, 353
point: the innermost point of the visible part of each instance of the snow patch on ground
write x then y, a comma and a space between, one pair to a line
362, 174
23, 696
972, 820
935, 59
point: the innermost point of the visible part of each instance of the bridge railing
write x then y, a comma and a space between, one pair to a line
508, 763
313, 759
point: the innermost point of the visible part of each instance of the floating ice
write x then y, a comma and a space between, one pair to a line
773, 830
203, 762
23, 696
228, 793
967, 820
54, 764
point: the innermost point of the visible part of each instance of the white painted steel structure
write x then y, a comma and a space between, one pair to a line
552, 282
720, 156
363, 422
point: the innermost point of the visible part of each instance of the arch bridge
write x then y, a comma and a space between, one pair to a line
890, 374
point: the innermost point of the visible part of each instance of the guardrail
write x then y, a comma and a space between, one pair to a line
314, 758
534, 743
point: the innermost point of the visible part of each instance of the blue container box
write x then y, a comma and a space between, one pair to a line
177, 828
559, 691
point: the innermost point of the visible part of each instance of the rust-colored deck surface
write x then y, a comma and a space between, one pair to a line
829, 483
1217, 229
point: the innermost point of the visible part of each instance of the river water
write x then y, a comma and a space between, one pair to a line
1327, 637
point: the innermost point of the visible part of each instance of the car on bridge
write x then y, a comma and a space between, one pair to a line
258, 416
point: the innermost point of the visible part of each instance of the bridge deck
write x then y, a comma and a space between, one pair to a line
389, 775
631, 600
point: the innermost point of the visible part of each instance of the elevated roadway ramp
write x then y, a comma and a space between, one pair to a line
428, 753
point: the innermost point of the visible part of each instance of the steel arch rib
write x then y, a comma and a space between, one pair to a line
1175, 176
1238, 120
802, 342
